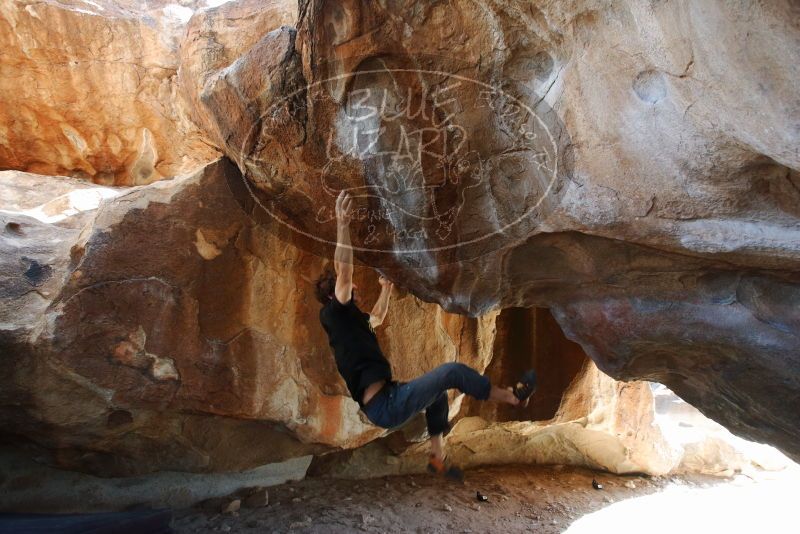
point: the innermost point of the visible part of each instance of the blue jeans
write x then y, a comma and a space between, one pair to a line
400, 401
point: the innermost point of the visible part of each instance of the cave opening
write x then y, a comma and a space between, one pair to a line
530, 337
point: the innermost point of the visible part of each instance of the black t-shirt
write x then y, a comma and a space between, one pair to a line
355, 347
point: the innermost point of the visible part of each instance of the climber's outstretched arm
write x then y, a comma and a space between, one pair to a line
343, 257
378, 313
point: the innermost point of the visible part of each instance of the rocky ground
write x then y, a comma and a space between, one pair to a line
520, 499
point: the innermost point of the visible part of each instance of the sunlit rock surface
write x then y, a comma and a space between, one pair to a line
165, 330
88, 89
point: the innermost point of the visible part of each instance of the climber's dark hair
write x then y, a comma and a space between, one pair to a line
325, 286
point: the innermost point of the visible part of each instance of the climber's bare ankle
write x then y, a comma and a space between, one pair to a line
503, 395
437, 447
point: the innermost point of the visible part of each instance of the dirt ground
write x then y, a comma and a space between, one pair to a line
520, 499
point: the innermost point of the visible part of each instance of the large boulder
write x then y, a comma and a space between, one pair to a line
162, 327
167, 330
629, 166
632, 167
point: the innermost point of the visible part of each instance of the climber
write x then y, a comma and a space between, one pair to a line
385, 402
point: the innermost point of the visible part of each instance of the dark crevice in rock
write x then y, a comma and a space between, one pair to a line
530, 338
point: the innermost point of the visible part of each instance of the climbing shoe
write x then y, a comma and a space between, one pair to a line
525, 387
439, 467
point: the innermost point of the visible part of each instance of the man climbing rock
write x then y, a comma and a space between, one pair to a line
367, 373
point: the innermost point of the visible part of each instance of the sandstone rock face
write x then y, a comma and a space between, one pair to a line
165, 330
602, 424
530, 338
88, 89
634, 168
215, 40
